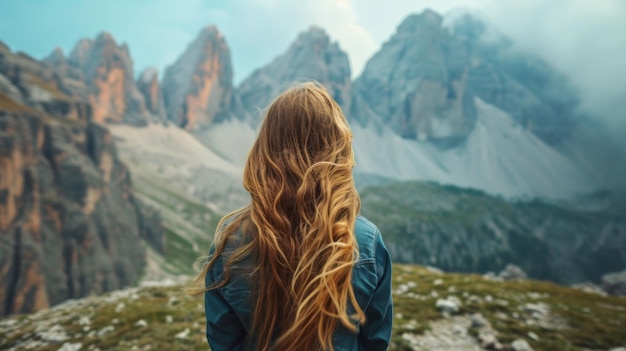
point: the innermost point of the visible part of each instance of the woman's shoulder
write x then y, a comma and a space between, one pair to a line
368, 237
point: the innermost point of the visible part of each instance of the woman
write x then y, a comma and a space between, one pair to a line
298, 269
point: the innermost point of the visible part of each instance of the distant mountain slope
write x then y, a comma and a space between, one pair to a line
470, 231
424, 80
444, 99
440, 101
498, 156
190, 185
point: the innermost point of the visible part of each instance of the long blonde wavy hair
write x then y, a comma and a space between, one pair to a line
299, 225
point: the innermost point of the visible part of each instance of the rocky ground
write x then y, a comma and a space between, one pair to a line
433, 311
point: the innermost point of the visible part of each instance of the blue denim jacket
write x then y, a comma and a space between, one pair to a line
228, 310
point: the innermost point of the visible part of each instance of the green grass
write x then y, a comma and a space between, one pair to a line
579, 320
468, 230
189, 225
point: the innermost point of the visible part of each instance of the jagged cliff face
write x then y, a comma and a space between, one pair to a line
539, 98
311, 57
69, 222
423, 82
417, 82
198, 88
104, 70
148, 85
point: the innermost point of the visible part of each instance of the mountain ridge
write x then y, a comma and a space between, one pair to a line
423, 85
69, 221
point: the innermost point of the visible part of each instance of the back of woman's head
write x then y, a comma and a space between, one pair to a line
304, 141
303, 210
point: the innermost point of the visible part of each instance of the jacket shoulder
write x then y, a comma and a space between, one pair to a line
367, 236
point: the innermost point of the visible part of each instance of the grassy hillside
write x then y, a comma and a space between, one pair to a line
470, 231
162, 318
189, 224
452, 228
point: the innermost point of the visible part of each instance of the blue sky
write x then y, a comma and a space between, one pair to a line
584, 39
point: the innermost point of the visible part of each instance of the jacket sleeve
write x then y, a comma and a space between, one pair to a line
376, 332
224, 330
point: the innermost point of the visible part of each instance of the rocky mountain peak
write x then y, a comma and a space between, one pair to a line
79, 54
149, 74
69, 221
107, 70
105, 37
424, 81
198, 88
148, 85
312, 56
467, 25
4, 48
416, 82
209, 32
416, 22
56, 57
314, 33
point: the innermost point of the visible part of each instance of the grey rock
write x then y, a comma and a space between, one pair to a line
615, 283
590, 288
450, 305
312, 56
148, 85
458, 330
71, 346
489, 341
521, 345
72, 224
424, 79
435, 270
109, 77
7, 88
536, 308
478, 320
416, 82
198, 87
512, 272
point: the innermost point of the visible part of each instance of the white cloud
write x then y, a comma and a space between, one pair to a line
585, 40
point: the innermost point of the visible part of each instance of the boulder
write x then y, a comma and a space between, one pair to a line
615, 283
512, 272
